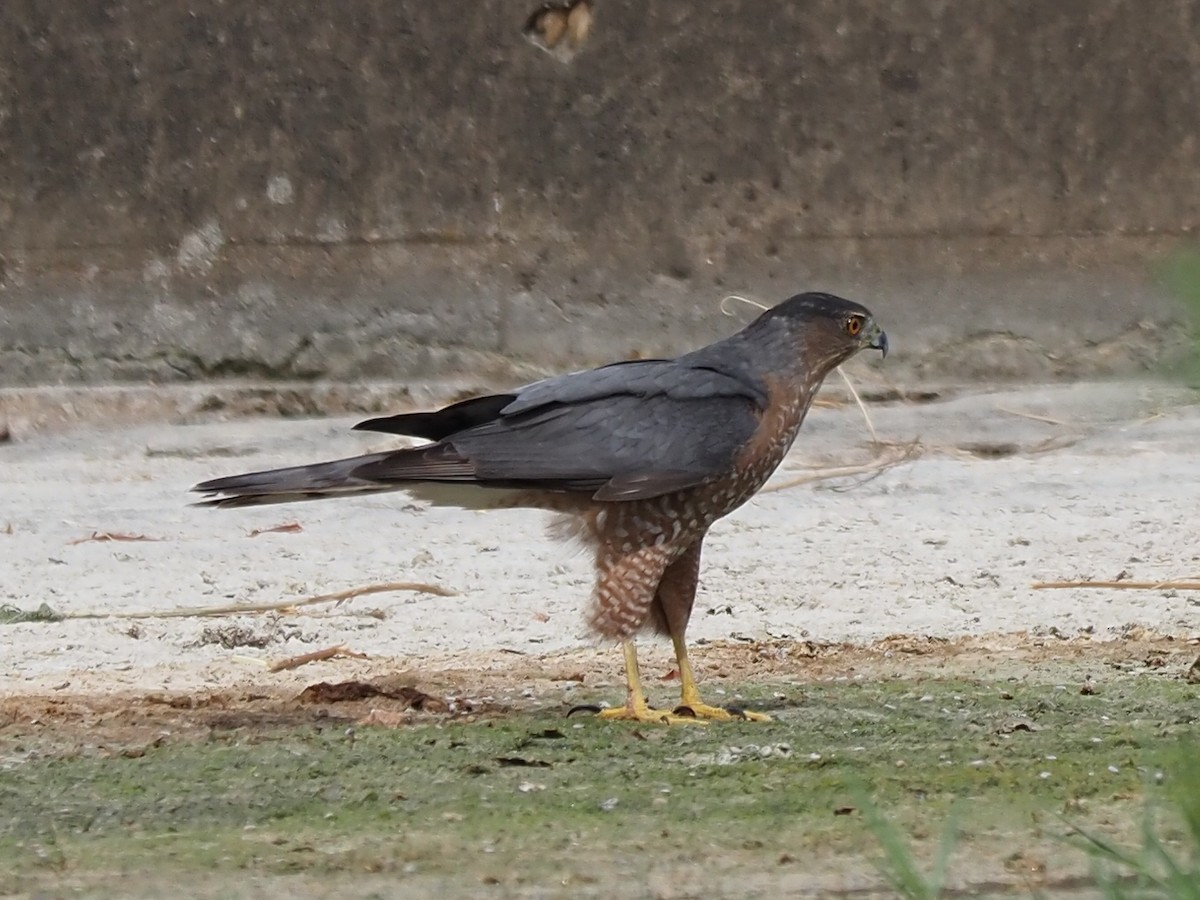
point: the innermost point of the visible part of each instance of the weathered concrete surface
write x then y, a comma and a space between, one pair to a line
404, 189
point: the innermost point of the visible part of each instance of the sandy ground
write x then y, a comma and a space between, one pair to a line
1006, 488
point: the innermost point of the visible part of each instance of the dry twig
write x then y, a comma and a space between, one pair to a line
875, 467
829, 403
285, 528
725, 310
295, 662
1031, 416
103, 536
861, 406
1121, 585
235, 609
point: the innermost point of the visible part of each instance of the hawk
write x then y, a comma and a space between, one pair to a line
642, 457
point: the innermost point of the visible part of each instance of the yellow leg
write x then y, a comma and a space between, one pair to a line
689, 698
636, 709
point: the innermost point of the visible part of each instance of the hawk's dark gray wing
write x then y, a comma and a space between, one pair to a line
621, 432
682, 379
687, 378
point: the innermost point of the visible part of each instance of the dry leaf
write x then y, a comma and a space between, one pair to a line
387, 718
350, 691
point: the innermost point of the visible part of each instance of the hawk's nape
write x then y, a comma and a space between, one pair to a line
645, 454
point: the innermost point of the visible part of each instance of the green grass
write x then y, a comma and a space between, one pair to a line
13, 615
900, 866
548, 797
1165, 863
1181, 274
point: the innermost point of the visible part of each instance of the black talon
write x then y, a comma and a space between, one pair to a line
736, 711
684, 711
584, 707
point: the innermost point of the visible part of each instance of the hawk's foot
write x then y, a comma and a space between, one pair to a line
636, 709
643, 712
690, 703
702, 711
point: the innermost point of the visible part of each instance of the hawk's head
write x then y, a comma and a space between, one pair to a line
828, 329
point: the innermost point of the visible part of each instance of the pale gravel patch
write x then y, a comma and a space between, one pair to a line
947, 544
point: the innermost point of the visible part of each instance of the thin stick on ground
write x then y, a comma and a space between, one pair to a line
875, 467
829, 403
235, 609
295, 662
101, 537
1121, 585
1034, 417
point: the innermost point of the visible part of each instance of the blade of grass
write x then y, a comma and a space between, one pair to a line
899, 865
1153, 869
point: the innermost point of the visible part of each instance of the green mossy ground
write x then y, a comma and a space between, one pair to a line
534, 798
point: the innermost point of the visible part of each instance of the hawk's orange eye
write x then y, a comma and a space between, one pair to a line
854, 326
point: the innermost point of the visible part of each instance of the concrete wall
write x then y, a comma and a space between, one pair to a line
381, 188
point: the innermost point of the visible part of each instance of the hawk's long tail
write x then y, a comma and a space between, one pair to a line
313, 482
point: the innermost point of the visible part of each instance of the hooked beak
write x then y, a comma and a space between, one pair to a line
877, 340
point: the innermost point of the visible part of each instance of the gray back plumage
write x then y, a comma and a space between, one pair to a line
623, 431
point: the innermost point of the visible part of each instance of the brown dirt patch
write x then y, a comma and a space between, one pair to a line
97, 711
